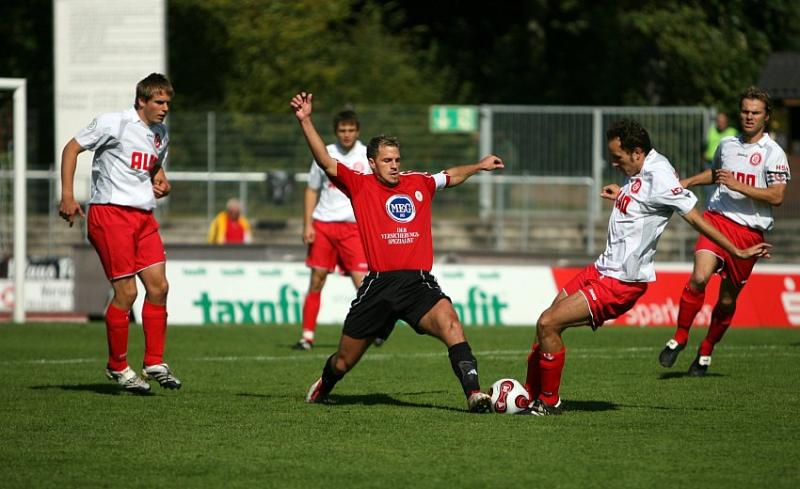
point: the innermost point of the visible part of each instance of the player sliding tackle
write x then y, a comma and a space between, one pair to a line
611, 285
393, 214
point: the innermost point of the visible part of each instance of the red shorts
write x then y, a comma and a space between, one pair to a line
608, 298
125, 238
741, 236
337, 244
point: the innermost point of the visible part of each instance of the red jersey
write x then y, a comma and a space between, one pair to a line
394, 222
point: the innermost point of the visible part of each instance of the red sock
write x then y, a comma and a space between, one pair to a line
719, 324
154, 324
117, 336
551, 365
310, 313
533, 381
690, 305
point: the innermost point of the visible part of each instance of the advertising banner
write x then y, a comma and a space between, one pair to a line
206, 292
230, 292
770, 298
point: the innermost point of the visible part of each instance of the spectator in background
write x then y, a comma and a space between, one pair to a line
716, 133
230, 226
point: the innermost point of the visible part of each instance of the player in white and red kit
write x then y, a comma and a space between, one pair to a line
393, 213
329, 225
751, 173
611, 285
130, 151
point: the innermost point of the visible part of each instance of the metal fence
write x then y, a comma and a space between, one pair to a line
555, 163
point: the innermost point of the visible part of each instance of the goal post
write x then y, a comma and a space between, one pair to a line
18, 85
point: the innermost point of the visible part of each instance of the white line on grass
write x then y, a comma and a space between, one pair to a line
599, 353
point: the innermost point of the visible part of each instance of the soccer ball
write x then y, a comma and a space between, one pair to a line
508, 396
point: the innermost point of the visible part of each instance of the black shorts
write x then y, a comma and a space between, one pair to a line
385, 297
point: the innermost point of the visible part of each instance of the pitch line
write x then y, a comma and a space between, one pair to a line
582, 353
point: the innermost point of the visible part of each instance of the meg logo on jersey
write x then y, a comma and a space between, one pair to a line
401, 208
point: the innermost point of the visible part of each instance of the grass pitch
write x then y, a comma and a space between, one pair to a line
400, 419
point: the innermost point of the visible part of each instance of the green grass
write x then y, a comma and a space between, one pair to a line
399, 421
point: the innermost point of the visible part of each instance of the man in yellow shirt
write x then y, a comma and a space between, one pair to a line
230, 226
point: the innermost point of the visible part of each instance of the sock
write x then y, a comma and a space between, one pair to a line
690, 305
117, 336
465, 366
310, 313
154, 324
533, 381
719, 324
329, 377
551, 365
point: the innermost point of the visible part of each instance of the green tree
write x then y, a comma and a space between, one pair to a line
253, 55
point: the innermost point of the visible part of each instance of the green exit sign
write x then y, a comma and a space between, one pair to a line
453, 118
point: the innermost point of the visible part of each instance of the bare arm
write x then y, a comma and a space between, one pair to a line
161, 186
302, 105
309, 202
702, 226
460, 174
610, 191
68, 206
705, 177
772, 195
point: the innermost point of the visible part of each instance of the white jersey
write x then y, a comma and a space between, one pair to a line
125, 152
759, 165
641, 212
333, 205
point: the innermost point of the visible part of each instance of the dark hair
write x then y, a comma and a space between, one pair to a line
756, 93
377, 142
346, 116
631, 135
150, 86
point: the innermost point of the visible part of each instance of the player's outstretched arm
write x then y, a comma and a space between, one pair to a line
460, 174
69, 207
302, 106
705, 177
693, 217
772, 195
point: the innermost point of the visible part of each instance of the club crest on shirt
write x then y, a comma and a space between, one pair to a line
418, 196
636, 185
755, 159
401, 208
157, 140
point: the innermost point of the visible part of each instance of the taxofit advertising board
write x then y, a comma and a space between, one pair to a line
205, 292
210, 292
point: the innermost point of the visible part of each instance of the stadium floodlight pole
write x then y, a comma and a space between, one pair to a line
20, 153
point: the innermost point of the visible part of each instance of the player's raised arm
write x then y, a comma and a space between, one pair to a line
68, 206
694, 218
302, 105
460, 174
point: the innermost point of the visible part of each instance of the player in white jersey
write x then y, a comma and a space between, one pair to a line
329, 225
611, 285
751, 173
130, 150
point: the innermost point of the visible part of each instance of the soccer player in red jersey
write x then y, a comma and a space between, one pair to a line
393, 214
751, 174
611, 285
130, 150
